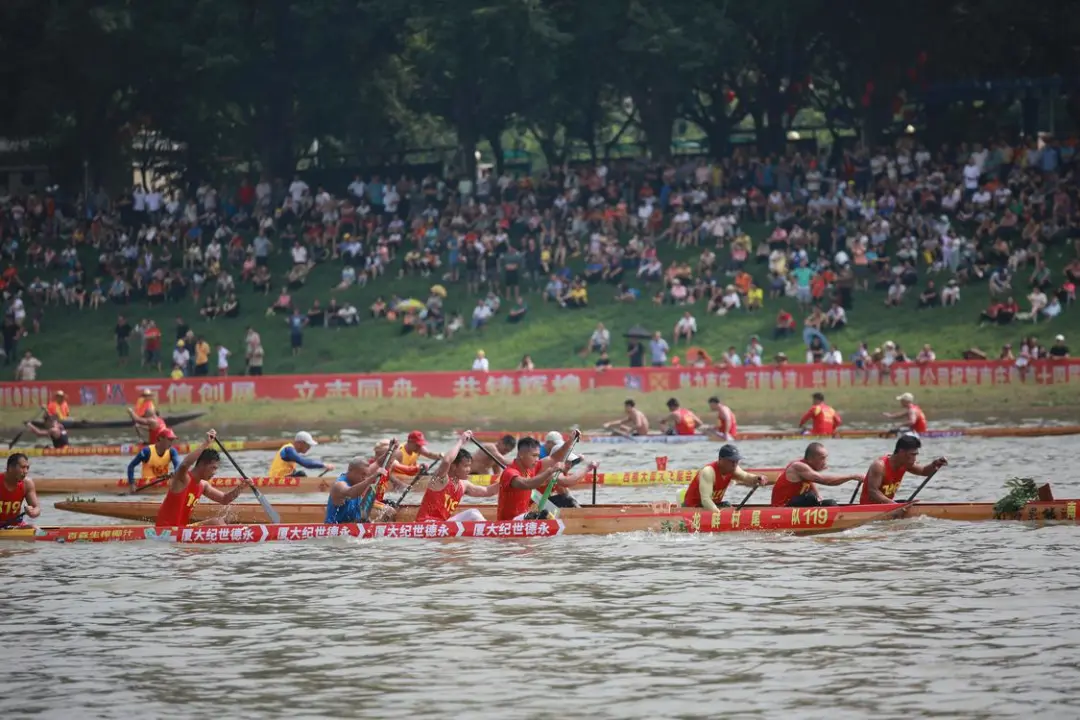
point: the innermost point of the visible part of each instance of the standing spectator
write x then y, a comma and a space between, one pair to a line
658, 350
635, 353
926, 355
223, 360
1058, 351
951, 294
152, 340
181, 355
26, 370
202, 357
251, 342
296, 323
123, 332
11, 332
600, 339
480, 362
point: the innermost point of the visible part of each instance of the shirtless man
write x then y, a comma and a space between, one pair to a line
634, 423
482, 464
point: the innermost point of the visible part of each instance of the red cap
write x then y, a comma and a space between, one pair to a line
417, 437
167, 433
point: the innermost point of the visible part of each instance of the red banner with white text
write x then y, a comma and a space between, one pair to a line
401, 386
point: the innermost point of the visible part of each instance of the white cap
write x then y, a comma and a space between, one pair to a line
555, 438
1060, 338
305, 437
908, 397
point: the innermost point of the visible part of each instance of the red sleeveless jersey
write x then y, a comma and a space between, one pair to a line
11, 501
692, 498
733, 428
515, 501
176, 507
890, 482
440, 505
784, 491
823, 418
683, 424
919, 425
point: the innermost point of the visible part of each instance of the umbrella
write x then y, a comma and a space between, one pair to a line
438, 290
410, 304
637, 332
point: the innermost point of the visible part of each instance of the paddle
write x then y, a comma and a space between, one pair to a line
156, 482
19, 434
922, 485
855, 493
748, 496
395, 504
369, 496
551, 483
13, 521
594, 479
266, 506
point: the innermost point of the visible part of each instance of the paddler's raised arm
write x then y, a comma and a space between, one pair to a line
180, 477
445, 461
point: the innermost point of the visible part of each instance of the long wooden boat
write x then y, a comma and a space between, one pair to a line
796, 521
89, 486
1039, 512
987, 432
170, 420
132, 448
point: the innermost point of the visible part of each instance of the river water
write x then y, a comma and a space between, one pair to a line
912, 619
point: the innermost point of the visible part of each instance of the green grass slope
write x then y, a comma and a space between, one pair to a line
80, 344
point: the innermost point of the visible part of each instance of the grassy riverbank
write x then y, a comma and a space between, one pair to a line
778, 408
550, 334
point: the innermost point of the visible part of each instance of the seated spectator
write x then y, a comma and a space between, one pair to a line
554, 289
348, 278
526, 363
1006, 353
97, 295
297, 276
518, 311
231, 307
119, 291
816, 319
260, 280
600, 340
755, 298
625, 293
730, 358
481, 315
785, 325
1038, 301
836, 318
316, 316
685, 328
210, 308
283, 304
348, 315
896, 294
1040, 276
1000, 283
577, 297
1053, 308
729, 301
603, 362
951, 294
1000, 313
378, 308
929, 297
679, 292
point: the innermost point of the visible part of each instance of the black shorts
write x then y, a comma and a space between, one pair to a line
809, 500
254, 371
203, 369
122, 348
511, 278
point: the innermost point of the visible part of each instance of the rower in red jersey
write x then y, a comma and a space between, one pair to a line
17, 488
913, 419
154, 423
886, 473
726, 427
797, 485
189, 483
711, 482
528, 472
822, 418
679, 420
449, 483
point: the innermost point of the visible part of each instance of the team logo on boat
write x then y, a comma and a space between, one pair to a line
155, 534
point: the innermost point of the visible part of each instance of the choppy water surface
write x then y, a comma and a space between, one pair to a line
911, 619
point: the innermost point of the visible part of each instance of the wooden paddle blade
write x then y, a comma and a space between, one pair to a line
15, 439
266, 506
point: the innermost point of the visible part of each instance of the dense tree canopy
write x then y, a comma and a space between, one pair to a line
212, 84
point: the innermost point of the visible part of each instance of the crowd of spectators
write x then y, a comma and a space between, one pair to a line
921, 226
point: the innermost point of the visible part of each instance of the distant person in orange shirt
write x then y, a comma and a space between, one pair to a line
912, 416
824, 420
